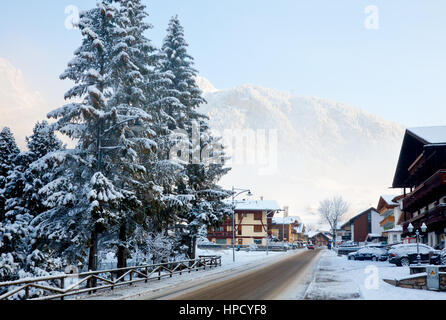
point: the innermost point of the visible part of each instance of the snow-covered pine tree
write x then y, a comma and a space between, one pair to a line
179, 64
199, 182
208, 207
23, 203
8, 153
131, 71
90, 191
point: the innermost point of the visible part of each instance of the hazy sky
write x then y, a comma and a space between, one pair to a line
387, 57
318, 47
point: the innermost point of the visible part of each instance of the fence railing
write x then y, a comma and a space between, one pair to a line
57, 287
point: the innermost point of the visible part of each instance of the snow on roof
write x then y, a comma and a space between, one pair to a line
299, 228
285, 220
374, 235
257, 205
389, 199
311, 234
396, 229
430, 134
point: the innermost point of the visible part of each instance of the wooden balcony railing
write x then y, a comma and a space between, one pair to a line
422, 195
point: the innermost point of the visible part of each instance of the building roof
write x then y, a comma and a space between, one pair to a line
299, 228
415, 140
430, 135
360, 214
285, 220
389, 199
257, 205
395, 229
312, 234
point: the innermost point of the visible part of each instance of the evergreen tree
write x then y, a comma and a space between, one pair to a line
23, 203
8, 153
198, 184
90, 192
183, 87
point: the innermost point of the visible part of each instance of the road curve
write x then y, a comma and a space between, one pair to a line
261, 284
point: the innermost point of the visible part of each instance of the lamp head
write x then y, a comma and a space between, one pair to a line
410, 228
424, 227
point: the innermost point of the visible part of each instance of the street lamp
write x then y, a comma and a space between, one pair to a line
417, 232
234, 195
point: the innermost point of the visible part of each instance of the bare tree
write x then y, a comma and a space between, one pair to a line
332, 211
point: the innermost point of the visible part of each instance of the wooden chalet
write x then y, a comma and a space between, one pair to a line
253, 221
421, 173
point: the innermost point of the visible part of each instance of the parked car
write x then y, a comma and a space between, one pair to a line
406, 254
348, 247
310, 247
369, 253
438, 257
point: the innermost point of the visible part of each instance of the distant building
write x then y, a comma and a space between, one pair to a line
389, 207
343, 233
366, 225
289, 229
253, 221
421, 173
319, 238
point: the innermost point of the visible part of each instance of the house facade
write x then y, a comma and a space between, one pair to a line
421, 173
287, 229
389, 207
319, 239
366, 226
344, 233
253, 221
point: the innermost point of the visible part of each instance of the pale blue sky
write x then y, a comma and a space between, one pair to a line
318, 47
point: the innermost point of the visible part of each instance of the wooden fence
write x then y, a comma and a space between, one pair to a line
57, 287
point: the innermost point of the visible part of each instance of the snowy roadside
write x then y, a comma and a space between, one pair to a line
337, 278
244, 261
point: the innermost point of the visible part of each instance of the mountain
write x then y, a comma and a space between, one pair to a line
324, 148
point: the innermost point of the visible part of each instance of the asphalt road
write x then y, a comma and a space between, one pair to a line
260, 284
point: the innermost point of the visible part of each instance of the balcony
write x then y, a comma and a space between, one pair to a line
427, 192
430, 218
220, 234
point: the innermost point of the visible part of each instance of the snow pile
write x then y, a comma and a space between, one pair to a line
339, 278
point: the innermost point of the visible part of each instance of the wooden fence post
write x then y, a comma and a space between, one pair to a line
62, 286
147, 274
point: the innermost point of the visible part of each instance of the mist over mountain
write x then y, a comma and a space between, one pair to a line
324, 147
20, 108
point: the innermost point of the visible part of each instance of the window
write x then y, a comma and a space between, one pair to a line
258, 241
240, 228
220, 241
258, 216
258, 229
240, 241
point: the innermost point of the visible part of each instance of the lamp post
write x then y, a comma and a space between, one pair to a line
234, 195
417, 232
267, 214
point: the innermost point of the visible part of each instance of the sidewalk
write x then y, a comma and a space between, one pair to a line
338, 278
